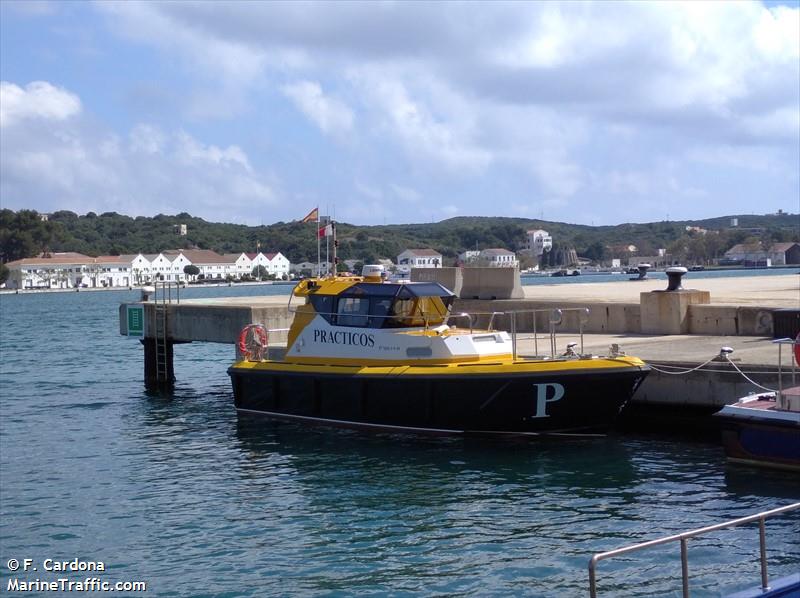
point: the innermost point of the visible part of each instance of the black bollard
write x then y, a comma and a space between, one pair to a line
674, 276
643, 268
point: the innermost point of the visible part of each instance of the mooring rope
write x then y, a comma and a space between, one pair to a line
746, 377
684, 371
694, 369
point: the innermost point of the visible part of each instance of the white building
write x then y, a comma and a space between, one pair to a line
469, 256
310, 268
242, 263
746, 253
111, 270
782, 254
160, 267
70, 270
48, 271
278, 265
258, 259
211, 264
140, 269
419, 258
538, 242
499, 258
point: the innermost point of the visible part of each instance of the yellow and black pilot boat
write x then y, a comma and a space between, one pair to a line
365, 353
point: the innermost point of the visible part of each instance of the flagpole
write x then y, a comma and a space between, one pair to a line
318, 247
327, 249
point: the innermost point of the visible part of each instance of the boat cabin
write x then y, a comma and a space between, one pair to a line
360, 304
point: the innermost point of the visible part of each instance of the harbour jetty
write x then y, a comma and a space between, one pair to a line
676, 331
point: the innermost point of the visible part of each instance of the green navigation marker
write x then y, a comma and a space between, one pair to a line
136, 320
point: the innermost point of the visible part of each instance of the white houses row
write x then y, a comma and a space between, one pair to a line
71, 270
494, 258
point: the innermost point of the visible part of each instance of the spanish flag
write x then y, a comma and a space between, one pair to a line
313, 216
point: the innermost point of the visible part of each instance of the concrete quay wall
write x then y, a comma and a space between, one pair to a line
711, 387
621, 318
474, 283
188, 322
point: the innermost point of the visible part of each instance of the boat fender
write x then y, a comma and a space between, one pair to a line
253, 341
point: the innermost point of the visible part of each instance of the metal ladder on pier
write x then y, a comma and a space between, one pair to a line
162, 300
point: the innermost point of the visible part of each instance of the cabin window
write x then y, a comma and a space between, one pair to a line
323, 305
418, 311
379, 310
352, 311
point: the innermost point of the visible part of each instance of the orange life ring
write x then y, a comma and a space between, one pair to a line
797, 349
252, 341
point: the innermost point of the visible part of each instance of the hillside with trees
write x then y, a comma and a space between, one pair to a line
26, 234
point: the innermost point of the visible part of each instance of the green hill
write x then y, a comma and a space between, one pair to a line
24, 234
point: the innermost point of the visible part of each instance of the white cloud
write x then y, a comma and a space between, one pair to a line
406, 194
368, 190
74, 164
329, 114
429, 131
553, 102
191, 152
224, 69
37, 100
147, 139
449, 210
729, 66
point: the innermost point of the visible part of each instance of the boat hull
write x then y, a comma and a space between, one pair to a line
445, 400
763, 443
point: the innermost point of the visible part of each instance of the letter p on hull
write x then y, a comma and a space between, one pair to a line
542, 392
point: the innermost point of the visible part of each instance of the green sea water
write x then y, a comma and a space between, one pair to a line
180, 492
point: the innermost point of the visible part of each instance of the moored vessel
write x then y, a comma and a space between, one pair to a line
764, 429
365, 353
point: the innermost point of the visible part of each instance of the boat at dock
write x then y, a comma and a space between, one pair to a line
567, 272
763, 429
365, 353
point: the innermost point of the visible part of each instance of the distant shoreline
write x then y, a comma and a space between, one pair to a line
140, 287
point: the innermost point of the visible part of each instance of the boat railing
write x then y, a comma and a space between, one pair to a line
276, 336
555, 317
793, 343
475, 320
684, 538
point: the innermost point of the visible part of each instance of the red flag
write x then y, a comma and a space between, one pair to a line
325, 231
313, 216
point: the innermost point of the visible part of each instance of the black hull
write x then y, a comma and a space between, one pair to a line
482, 404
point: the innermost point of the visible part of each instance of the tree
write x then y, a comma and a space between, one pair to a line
697, 251
259, 272
679, 249
4, 273
191, 270
597, 252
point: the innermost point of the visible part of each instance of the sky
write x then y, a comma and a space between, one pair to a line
398, 112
